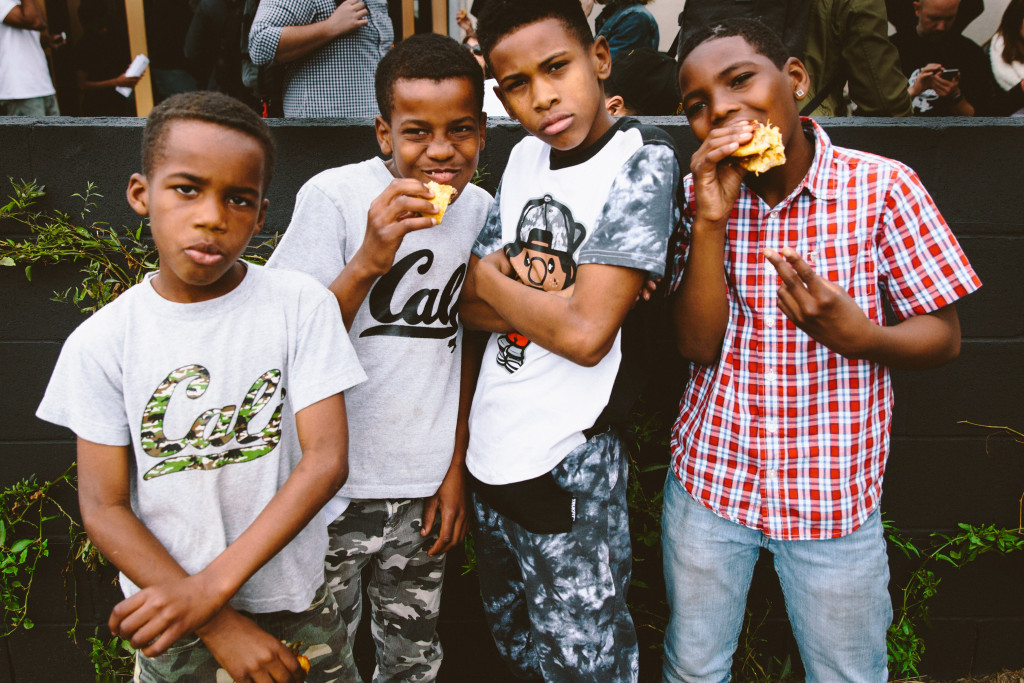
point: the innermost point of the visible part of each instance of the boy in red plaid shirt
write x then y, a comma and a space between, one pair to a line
778, 299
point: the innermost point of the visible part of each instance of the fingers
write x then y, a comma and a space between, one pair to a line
721, 143
429, 512
285, 668
163, 641
788, 305
802, 268
782, 266
792, 282
453, 528
648, 290
791, 267
408, 195
128, 616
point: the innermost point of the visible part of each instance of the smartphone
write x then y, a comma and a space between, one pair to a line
949, 74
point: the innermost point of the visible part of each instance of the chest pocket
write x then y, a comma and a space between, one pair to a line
840, 247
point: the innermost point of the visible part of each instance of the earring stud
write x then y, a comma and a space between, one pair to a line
800, 94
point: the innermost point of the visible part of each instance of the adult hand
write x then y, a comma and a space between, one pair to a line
820, 307
160, 614
393, 215
349, 16
925, 79
126, 81
717, 177
944, 87
247, 652
465, 23
450, 502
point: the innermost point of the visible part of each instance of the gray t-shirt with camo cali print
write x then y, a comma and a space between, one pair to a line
205, 394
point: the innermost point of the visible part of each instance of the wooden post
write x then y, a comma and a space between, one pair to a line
408, 18
439, 14
137, 44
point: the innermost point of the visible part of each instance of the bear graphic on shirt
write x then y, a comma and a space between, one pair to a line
543, 257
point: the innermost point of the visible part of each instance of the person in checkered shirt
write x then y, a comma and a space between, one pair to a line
779, 290
331, 49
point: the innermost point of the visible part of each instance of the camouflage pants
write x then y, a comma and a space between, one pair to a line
404, 588
320, 630
556, 603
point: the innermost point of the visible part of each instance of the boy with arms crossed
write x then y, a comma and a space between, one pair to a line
581, 221
365, 231
784, 427
203, 464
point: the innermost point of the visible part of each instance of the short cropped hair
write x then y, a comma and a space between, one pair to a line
425, 55
211, 107
764, 40
500, 18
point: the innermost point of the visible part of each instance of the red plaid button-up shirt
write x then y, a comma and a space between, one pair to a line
781, 434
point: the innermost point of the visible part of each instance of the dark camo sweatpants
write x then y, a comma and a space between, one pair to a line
404, 588
556, 603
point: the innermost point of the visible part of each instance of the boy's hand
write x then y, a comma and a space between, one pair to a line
247, 652
498, 260
647, 291
450, 502
156, 616
716, 179
393, 215
819, 307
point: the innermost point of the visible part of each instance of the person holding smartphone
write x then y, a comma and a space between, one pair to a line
947, 73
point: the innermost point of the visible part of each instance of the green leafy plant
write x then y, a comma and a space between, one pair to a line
113, 659
27, 509
111, 259
904, 641
752, 661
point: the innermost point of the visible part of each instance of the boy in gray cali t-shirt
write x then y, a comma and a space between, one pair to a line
210, 422
397, 276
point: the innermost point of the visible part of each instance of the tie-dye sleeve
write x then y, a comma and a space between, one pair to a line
489, 239
636, 221
679, 244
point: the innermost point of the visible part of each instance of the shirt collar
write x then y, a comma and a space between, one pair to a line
820, 180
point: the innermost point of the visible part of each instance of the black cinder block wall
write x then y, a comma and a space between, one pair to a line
940, 472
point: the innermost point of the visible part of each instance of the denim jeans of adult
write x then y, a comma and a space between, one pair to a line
835, 590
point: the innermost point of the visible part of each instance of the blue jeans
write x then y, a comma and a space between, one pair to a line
835, 590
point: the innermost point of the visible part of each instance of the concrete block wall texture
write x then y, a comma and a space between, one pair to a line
940, 472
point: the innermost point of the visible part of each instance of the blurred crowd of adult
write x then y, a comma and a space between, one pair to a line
316, 58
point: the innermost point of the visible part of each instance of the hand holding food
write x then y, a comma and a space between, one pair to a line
443, 195
764, 151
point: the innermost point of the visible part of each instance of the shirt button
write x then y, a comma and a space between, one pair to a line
769, 321
771, 475
774, 214
771, 426
770, 376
